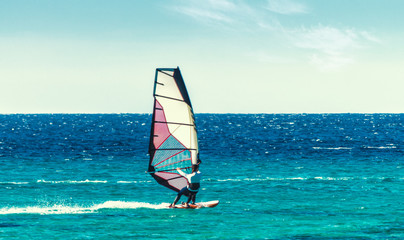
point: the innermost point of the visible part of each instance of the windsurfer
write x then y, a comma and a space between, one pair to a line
192, 188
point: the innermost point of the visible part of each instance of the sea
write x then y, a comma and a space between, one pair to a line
277, 176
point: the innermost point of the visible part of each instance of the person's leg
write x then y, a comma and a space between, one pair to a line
194, 187
180, 193
191, 195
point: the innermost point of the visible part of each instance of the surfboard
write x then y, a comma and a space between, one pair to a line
209, 204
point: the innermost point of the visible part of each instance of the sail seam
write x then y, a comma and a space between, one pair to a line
186, 124
176, 149
167, 170
165, 73
176, 99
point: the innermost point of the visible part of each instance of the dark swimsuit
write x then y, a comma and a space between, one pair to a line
190, 191
194, 187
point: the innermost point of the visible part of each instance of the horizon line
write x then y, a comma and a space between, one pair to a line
246, 113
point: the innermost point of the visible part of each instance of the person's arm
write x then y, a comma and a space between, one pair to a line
181, 172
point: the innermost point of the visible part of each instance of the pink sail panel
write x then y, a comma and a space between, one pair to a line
160, 126
173, 179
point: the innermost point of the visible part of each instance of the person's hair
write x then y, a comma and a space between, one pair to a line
195, 168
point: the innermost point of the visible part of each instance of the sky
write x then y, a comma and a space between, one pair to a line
241, 56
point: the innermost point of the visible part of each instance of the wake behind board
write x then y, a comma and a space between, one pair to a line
209, 204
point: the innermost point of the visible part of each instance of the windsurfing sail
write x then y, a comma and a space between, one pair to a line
173, 137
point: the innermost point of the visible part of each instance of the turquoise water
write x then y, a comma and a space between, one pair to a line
332, 176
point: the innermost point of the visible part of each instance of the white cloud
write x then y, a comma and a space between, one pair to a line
328, 40
204, 14
220, 4
370, 37
286, 7
331, 48
326, 47
236, 15
207, 11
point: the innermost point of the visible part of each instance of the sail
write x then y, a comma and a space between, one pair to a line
173, 137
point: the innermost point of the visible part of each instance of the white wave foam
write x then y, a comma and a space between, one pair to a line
62, 209
302, 179
126, 182
15, 183
147, 181
84, 181
55, 209
229, 180
72, 181
334, 178
332, 148
129, 205
260, 179
383, 147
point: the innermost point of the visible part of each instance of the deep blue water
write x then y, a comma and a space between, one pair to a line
277, 176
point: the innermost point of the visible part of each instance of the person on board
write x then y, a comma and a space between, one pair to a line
192, 188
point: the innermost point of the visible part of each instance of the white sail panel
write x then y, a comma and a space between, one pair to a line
175, 111
166, 86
